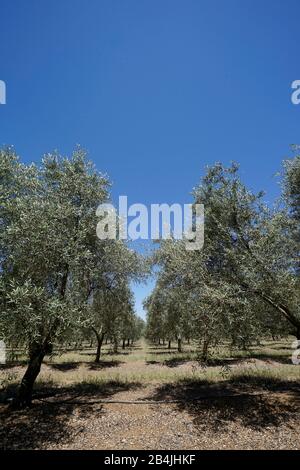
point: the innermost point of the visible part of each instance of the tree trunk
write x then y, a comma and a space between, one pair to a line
100, 338
169, 344
179, 347
128, 342
37, 353
298, 333
123, 344
99, 346
205, 350
115, 345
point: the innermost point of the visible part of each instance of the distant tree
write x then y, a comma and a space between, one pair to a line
167, 317
111, 311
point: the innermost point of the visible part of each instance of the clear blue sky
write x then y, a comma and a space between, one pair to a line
154, 90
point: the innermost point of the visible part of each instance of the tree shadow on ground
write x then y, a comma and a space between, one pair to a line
240, 401
64, 366
107, 353
53, 419
224, 362
230, 361
280, 358
104, 364
177, 361
34, 428
121, 352
12, 364
167, 352
67, 366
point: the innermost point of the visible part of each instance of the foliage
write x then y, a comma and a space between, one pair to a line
243, 284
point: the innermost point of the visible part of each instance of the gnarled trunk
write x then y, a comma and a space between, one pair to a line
179, 345
37, 352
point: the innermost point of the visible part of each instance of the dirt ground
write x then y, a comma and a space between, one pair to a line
148, 397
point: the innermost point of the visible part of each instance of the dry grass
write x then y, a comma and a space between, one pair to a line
146, 363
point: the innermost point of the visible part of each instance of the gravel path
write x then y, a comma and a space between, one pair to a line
212, 424
166, 427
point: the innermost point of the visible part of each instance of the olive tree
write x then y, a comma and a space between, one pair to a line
244, 280
51, 258
252, 248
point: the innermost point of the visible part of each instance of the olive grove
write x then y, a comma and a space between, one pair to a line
60, 284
